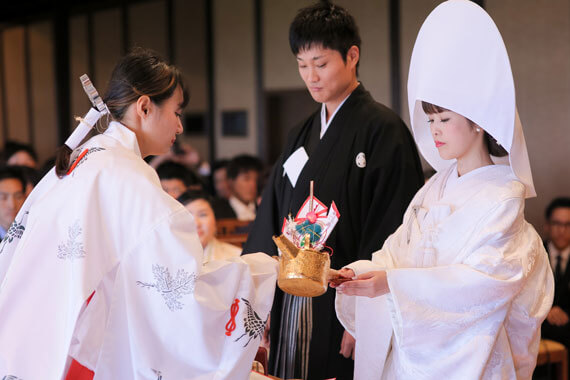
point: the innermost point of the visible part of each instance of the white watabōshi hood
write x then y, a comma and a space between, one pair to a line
460, 62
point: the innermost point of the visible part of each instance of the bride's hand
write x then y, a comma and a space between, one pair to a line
370, 284
338, 277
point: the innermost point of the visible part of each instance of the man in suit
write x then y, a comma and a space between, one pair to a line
557, 326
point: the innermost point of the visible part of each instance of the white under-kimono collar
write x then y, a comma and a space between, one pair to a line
124, 136
460, 62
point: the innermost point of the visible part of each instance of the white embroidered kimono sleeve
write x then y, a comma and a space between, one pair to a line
169, 315
470, 319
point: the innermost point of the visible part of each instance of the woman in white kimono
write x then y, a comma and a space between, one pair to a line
459, 291
103, 226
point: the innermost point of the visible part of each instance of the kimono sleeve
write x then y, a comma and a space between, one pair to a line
170, 316
448, 319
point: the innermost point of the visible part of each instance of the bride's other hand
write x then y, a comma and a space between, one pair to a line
370, 284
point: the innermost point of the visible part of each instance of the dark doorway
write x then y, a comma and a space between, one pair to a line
285, 110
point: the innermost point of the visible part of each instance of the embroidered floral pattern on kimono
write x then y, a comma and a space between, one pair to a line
73, 249
171, 289
253, 325
157, 373
15, 231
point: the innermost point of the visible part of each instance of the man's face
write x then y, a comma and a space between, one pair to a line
11, 199
326, 75
559, 227
244, 186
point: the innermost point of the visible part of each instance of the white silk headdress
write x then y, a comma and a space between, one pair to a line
460, 62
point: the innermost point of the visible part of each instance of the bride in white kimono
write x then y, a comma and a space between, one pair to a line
106, 228
460, 290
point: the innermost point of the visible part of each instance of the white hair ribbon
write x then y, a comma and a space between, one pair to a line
89, 121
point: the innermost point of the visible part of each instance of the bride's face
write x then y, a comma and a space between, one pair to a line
454, 136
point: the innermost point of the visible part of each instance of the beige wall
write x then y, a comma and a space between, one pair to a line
191, 57
234, 72
107, 49
140, 17
15, 85
78, 65
537, 36
43, 91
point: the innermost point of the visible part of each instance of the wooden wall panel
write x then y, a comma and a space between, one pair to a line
15, 85
44, 118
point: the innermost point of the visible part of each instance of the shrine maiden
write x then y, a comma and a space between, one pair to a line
459, 291
103, 225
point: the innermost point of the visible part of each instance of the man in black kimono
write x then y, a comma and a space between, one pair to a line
361, 156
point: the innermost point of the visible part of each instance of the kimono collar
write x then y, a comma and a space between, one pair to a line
124, 136
460, 62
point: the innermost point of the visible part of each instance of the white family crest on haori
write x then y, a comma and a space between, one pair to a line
171, 289
361, 160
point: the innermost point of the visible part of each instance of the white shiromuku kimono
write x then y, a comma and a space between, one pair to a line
469, 281
156, 313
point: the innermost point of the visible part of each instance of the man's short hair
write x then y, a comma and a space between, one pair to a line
243, 163
324, 24
174, 170
12, 147
13, 172
561, 202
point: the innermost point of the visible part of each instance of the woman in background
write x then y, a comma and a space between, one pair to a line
200, 206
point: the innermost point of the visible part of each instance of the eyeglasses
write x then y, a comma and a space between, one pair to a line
557, 224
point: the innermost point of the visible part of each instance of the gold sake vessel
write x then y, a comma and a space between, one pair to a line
302, 272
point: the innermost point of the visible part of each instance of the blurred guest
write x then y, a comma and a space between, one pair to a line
176, 178
220, 179
243, 174
16, 153
31, 177
184, 154
12, 196
199, 204
557, 244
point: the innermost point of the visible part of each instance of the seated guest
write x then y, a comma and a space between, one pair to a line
31, 177
12, 196
176, 178
220, 179
557, 244
243, 175
200, 206
18, 154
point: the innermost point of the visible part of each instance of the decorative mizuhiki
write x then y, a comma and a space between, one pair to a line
303, 265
